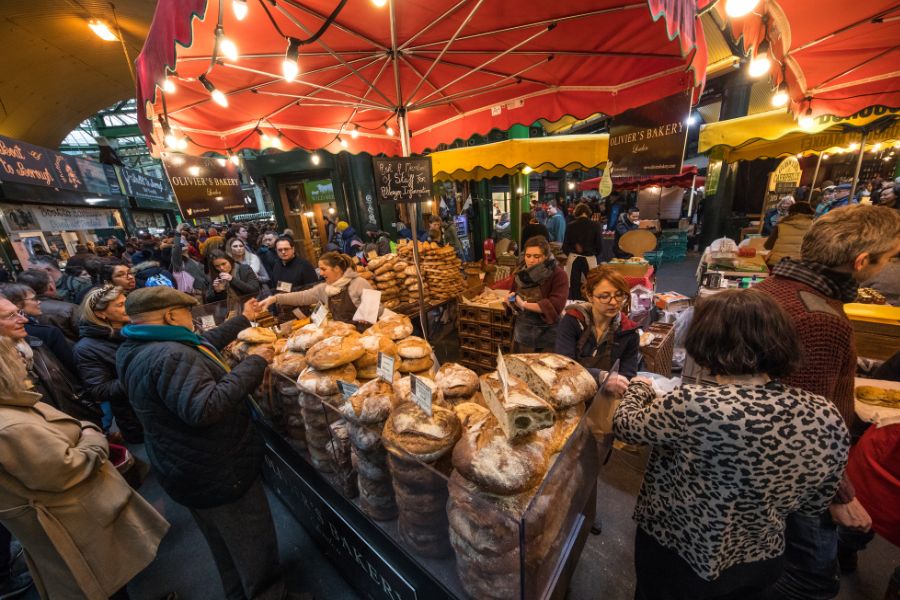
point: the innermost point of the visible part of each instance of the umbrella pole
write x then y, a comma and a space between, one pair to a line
859, 159
693, 191
413, 224
812, 186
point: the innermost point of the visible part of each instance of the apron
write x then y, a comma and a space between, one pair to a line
341, 306
591, 261
532, 331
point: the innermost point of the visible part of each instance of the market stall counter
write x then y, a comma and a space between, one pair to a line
398, 468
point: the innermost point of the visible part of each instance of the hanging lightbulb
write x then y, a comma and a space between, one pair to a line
342, 142
380, 3
182, 143
389, 130
739, 8
225, 46
217, 95
876, 147
168, 86
194, 171
571, 185
354, 133
275, 141
289, 67
780, 97
526, 170
807, 121
315, 158
825, 157
235, 159
172, 140
760, 64
102, 30
519, 190
222, 162
240, 9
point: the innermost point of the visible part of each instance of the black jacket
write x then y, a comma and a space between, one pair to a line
57, 385
268, 258
534, 229
59, 313
243, 283
583, 237
55, 341
198, 430
95, 355
298, 272
575, 339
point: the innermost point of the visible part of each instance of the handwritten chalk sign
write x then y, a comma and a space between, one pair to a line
404, 180
421, 393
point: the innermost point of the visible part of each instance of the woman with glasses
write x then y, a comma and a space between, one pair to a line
50, 336
102, 318
230, 281
237, 249
537, 296
597, 333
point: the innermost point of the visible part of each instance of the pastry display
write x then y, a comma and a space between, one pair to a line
878, 396
335, 351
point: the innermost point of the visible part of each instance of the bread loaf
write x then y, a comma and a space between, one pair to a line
415, 365
373, 343
257, 335
523, 410
371, 403
289, 364
426, 438
559, 379
324, 383
335, 351
413, 347
456, 381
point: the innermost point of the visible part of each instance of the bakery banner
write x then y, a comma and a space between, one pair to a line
650, 140
20, 217
205, 187
404, 180
139, 185
23, 163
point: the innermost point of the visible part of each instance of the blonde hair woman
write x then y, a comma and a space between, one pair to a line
86, 533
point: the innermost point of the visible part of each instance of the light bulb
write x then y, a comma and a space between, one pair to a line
379, 3
876, 147
314, 158
330, 210
182, 143
235, 160
171, 140
228, 48
219, 98
854, 146
389, 130
240, 9
780, 97
275, 141
102, 30
571, 185
738, 8
825, 157
168, 86
806, 122
222, 162
194, 171
760, 65
798, 156
354, 133
342, 142
519, 190
691, 120
289, 67
526, 170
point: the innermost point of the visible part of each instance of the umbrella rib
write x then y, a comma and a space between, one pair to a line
446, 47
336, 24
343, 103
844, 29
542, 22
849, 84
855, 67
395, 61
337, 57
433, 86
487, 62
487, 71
431, 25
559, 53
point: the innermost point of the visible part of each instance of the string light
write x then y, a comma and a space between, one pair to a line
571, 185
275, 141
235, 159
760, 64
780, 97
354, 133
825, 157
168, 86
691, 120
217, 95
526, 170
315, 158
380, 3
807, 121
222, 162
102, 30
739, 8
854, 146
289, 67
389, 129
194, 171
240, 9
876, 147
225, 45
342, 142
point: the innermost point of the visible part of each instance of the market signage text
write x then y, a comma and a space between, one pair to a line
650, 140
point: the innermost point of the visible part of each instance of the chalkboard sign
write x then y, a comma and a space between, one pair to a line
405, 180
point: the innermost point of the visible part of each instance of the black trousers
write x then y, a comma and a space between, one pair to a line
242, 539
663, 575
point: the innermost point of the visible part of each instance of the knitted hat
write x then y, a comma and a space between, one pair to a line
148, 299
342, 225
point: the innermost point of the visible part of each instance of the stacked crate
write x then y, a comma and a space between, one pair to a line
482, 331
673, 245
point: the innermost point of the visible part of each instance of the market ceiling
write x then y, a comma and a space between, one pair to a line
55, 72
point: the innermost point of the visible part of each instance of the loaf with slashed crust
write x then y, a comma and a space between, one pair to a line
395, 327
335, 351
556, 378
522, 410
324, 383
456, 381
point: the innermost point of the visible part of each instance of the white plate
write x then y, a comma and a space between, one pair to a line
877, 414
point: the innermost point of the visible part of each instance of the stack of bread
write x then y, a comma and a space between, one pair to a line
441, 269
237, 350
415, 357
365, 413
411, 438
387, 273
500, 466
458, 384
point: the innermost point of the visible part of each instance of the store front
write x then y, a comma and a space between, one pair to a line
152, 208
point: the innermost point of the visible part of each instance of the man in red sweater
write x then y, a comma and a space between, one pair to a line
842, 248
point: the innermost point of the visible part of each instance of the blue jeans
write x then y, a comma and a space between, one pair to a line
810, 568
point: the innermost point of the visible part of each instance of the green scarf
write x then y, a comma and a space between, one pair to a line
162, 333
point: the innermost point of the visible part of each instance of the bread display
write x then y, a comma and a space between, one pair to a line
257, 335
878, 396
412, 437
413, 347
317, 418
395, 327
289, 401
415, 365
523, 410
325, 383
558, 379
339, 452
335, 351
456, 381
308, 335
373, 343
289, 364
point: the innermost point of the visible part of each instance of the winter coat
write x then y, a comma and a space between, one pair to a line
348, 237
268, 258
55, 341
86, 533
58, 313
583, 237
70, 288
556, 227
198, 430
149, 274
253, 261
788, 234
58, 385
95, 355
577, 322
532, 230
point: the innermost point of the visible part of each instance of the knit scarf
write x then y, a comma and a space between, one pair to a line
528, 281
333, 289
828, 282
173, 333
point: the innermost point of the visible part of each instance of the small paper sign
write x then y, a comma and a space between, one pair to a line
207, 322
319, 315
421, 394
367, 312
385, 368
503, 374
298, 313
347, 389
284, 286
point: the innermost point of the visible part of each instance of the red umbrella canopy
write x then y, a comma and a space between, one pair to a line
449, 68
833, 57
687, 177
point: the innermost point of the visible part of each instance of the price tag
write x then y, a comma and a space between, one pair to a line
421, 393
347, 389
207, 322
298, 313
284, 286
319, 315
385, 368
503, 374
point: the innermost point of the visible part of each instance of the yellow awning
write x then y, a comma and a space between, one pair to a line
554, 153
776, 133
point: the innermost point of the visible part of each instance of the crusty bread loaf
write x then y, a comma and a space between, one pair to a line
335, 351
470, 413
402, 389
524, 411
373, 344
257, 335
415, 365
308, 335
413, 347
396, 327
324, 383
280, 345
559, 379
409, 430
289, 364
456, 381
371, 403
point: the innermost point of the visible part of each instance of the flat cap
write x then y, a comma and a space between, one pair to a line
148, 299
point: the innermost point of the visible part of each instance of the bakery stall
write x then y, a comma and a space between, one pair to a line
423, 480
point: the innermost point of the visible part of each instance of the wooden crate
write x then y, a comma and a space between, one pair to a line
658, 355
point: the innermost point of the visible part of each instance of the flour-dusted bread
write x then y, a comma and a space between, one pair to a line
257, 335
410, 430
470, 413
415, 365
373, 344
335, 351
289, 364
395, 327
324, 383
567, 420
403, 391
413, 347
371, 403
521, 412
559, 379
456, 381
308, 335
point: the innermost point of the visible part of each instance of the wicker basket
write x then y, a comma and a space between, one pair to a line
658, 354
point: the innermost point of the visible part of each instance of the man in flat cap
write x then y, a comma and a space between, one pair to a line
199, 433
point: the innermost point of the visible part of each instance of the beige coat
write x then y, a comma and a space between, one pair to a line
791, 230
86, 532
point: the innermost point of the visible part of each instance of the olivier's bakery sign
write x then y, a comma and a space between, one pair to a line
204, 187
650, 140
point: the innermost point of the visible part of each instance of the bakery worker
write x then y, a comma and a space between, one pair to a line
538, 294
597, 333
290, 272
628, 221
341, 291
199, 431
582, 242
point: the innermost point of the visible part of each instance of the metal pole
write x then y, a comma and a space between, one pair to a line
812, 186
859, 159
693, 191
413, 219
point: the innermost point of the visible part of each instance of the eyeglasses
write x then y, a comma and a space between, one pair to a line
12, 316
606, 297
